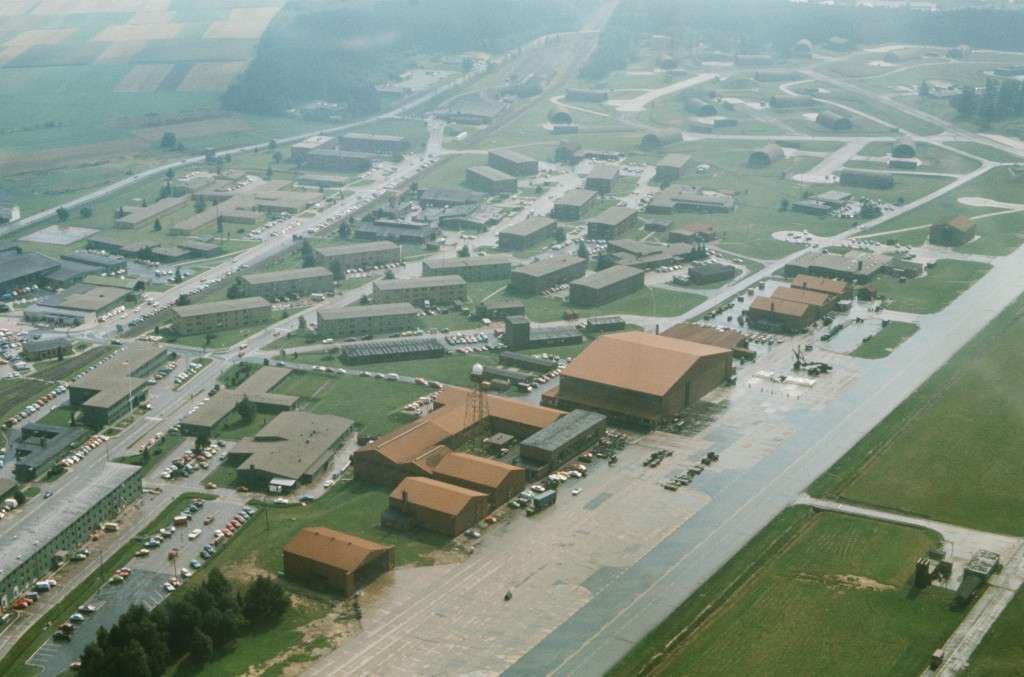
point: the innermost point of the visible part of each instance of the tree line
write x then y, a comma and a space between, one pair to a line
195, 624
999, 99
316, 51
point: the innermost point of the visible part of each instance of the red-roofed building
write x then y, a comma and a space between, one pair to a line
500, 481
434, 505
319, 555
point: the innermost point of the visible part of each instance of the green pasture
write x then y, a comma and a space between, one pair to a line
949, 451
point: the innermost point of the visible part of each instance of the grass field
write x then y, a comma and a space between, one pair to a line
885, 341
935, 290
1001, 652
808, 595
950, 451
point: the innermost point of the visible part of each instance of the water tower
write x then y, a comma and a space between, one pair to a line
477, 418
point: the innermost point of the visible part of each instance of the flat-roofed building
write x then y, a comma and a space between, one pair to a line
24, 269
640, 378
114, 388
362, 255
527, 233
303, 148
536, 277
34, 547
779, 315
301, 281
853, 266
692, 233
690, 199
671, 167
216, 316
612, 223
333, 160
440, 290
374, 143
499, 309
47, 348
89, 299
500, 481
573, 205
709, 273
294, 445
952, 231
602, 178
320, 557
420, 502
471, 269
366, 320
490, 180
605, 286
204, 420
561, 441
512, 162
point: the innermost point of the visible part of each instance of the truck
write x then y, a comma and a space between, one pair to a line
316, 297
544, 499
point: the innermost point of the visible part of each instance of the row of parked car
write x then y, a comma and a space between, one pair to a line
34, 407
82, 451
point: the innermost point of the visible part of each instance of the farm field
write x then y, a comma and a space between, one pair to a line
764, 612
915, 461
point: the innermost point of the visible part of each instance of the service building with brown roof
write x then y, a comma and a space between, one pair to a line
500, 481
779, 315
952, 231
438, 506
319, 556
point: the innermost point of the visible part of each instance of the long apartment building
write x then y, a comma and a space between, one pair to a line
200, 318
302, 281
440, 290
362, 255
366, 320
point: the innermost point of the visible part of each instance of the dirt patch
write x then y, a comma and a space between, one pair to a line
246, 571
843, 582
42, 36
135, 32
144, 78
72, 156
211, 76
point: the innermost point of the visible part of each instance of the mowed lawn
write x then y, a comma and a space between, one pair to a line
932, 292
952, 450
813, 594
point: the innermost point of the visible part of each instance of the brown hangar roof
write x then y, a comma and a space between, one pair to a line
779, 306
433, 495
709, 336
805, 296
334, 548
645, 363
820, 284
477, 469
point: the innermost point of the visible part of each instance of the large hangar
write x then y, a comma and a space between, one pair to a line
640, 379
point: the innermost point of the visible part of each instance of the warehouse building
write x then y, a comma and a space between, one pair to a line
853, 266
640, 379
612, 223
952, 231
556, 445
86, 298
573, 205
779, 315
602, 178
363, 255
605, 286
200, 318
420, 502
471, 269
38, 446
546, 273
512, 163
366, 320
303, 148
865, 178
392, 350
690, 199
400, 232
446, 197
671, 167
533, 363
295, 446
442, 290
24, 269
325, 558
501, 482
281, 283
47, 348
65, 523
499, 309
819, 304
837, 289
521, 335
415, 449
333, 160
527, 234
374, 143
490, 180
